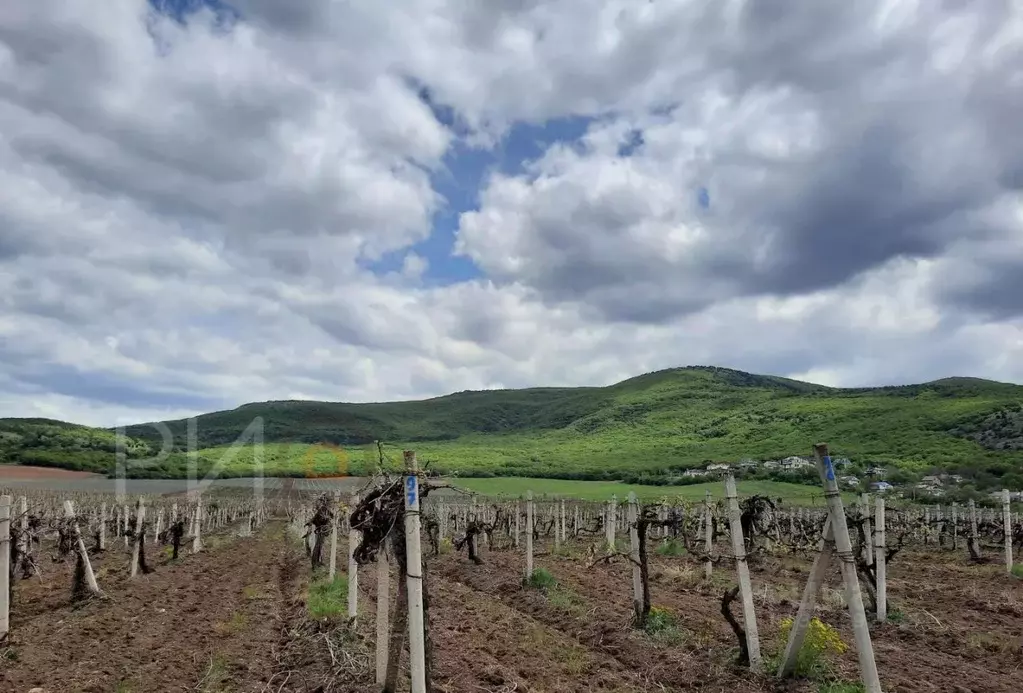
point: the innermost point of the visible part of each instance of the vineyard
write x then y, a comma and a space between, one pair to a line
407, 585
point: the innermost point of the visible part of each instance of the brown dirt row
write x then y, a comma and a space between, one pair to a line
190, 625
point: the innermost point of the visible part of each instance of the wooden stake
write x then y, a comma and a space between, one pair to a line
745, 588
414, 577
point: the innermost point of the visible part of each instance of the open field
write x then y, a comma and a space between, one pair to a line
62, 480
796, 494
247, 613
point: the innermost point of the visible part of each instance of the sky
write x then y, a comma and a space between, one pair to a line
206, 203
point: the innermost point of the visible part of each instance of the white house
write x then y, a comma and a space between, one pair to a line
850, 481
876, 471
718, 467
795, 462
691, 473
880, 486
771, 464
748, 464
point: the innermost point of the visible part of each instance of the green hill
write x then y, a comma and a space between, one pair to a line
50, 443
643, 428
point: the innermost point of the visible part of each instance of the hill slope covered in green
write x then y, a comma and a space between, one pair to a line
650, 425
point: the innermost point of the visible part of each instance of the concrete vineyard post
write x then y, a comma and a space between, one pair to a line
5, 565
867, 538
518, 522
353, 567
708, 536
575, 523
196, 538
383, 613
332, 567
558, 527
745, 588
103, 527
637, 578
564, 526
973, 527
843, 547
414, 577
90, 577
442, 521
140, 513
880, 560
819, 570
529, 534
23, 523
1007, 527
610, 524
955, 527
124, 525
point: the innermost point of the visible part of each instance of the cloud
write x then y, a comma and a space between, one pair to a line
205, 205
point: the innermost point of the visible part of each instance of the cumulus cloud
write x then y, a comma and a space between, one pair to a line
196, 197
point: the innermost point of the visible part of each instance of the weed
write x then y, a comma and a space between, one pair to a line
216, 678
671, 547
234, 625
841, 687
1017, 570
896, 616
821, 641
9, 654
662, 625
123, 687
446, 546
564, 598
328, 599
254, 592
541, 579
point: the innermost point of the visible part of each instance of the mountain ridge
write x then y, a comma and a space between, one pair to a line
654, 423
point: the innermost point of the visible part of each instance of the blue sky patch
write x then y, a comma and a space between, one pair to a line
459, 182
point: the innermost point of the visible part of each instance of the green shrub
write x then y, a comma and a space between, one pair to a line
671, 547
541, 579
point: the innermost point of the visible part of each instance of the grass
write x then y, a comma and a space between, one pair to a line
1017, 570
671, 547
541, 579
328, 599
215, 679
235, 624
634, 430
662, 625
841, 687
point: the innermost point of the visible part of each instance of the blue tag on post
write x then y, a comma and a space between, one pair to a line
411, 487
829, 469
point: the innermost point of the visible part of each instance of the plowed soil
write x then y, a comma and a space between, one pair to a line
233, 619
